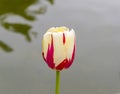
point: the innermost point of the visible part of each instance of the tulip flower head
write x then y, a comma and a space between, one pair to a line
58, 47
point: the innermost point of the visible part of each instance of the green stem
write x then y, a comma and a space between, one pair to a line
57, 82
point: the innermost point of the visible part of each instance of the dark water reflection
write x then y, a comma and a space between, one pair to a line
5, 47
19, 8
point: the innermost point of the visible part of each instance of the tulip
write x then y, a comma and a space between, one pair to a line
58, 50
59, 47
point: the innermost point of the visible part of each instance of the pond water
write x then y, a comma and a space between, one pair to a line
96, 69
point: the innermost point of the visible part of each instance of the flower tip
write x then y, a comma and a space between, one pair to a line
58, 29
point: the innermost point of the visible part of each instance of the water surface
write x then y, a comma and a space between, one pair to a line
96, 69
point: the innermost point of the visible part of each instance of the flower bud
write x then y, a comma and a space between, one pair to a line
58, 47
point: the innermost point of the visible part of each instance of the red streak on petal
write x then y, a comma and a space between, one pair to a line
63, 38
50, 54
62, 65
43, 56
72, 58
67, 63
